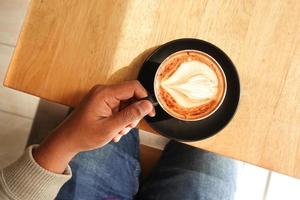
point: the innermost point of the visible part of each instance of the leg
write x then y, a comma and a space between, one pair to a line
185, 172
111, 172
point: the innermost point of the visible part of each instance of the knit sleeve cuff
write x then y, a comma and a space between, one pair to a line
26, 179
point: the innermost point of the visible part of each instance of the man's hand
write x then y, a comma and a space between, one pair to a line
99, 119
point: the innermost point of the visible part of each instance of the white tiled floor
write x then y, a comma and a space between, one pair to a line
10, 100
251, 182
13, 137
12, 13
17, 111
283, 187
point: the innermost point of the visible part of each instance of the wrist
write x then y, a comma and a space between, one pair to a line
55, 153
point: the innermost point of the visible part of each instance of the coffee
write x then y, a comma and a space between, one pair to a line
190, 85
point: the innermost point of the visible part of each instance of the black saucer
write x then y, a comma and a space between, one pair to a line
191, 130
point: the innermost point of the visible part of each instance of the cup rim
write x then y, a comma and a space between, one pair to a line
200, 52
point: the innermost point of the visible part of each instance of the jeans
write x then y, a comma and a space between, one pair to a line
183, 172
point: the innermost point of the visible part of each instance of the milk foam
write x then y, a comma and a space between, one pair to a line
192, 84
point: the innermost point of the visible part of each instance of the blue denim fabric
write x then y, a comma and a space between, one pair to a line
111, 172
183, 172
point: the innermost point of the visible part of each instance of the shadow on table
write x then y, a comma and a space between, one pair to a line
49, 115
133, 68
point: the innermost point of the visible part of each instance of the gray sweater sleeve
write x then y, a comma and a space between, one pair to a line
27, 180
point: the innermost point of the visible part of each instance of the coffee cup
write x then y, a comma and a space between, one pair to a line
190, 85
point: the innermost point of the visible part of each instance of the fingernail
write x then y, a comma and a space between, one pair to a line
152, 113
150, 99
117, 138
146, 106
126, 130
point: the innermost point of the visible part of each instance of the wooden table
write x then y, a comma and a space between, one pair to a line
66, 47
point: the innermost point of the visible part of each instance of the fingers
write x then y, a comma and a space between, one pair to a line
133, 124
152, 113
128, 90
112, 95
130, 115
122, 91
121, 133
123, 104
124, 131
117, 138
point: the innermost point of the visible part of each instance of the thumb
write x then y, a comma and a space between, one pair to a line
133, 112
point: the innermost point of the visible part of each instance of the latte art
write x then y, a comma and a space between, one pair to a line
190, 85
193, 84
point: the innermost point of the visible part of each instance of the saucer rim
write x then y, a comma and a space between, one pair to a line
233, 68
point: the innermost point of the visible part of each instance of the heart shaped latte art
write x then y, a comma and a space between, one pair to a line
192, 84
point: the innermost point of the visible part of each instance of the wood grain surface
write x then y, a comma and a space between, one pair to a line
67, 46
